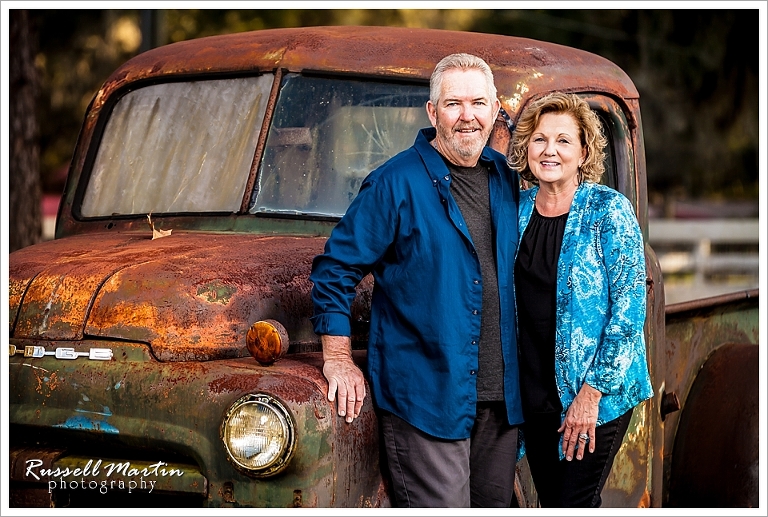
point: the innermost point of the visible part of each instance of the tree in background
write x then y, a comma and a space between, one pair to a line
24, 222
78, 51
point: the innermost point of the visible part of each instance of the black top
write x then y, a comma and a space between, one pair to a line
535, 281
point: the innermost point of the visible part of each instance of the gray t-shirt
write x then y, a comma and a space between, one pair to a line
471, 192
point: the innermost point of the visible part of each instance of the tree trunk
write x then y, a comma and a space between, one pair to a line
24, 193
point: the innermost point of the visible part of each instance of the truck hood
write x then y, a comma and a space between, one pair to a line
189, 296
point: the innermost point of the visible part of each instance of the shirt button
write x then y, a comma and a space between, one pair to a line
471, 372
447, 178
442, 200
474, 311
477, 282
474, 342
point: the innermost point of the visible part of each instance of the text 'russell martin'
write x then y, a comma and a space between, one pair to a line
94, 475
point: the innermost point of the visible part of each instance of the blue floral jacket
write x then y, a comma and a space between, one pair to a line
600, 301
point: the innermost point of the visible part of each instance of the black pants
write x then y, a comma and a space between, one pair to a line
429, 472
576, 483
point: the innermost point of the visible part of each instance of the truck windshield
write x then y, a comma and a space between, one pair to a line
178, 147
188, 147
327, 134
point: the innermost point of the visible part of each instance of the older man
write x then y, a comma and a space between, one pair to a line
437, 227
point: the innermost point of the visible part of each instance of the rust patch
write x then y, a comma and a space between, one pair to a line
216, 292
288, 380
46, 381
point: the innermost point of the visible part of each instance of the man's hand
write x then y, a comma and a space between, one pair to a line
343, 376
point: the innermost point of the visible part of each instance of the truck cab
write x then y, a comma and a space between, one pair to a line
161, 352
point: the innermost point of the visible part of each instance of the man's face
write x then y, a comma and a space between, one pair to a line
464, 116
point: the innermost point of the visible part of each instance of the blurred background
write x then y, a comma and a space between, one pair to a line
697, 72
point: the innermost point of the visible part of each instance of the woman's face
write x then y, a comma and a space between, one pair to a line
555, 152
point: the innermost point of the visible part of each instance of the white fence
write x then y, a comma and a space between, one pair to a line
701, 258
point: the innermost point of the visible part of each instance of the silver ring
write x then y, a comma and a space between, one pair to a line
584, 436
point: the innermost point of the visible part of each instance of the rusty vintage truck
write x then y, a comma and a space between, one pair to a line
160, 348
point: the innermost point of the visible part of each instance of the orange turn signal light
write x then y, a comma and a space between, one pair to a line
267, 341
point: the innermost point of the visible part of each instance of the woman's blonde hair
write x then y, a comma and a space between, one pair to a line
590, 134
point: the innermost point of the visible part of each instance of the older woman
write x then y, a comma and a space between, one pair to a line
580, 287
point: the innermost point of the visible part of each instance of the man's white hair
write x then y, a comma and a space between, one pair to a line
463, 62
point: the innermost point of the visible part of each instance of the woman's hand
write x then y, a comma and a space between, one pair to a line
579, 424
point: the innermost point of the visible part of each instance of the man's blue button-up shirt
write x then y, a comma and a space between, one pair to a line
406, 229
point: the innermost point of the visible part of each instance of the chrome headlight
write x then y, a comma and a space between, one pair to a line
259, 435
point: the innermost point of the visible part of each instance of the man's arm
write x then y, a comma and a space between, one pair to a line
343, 375
357, 242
